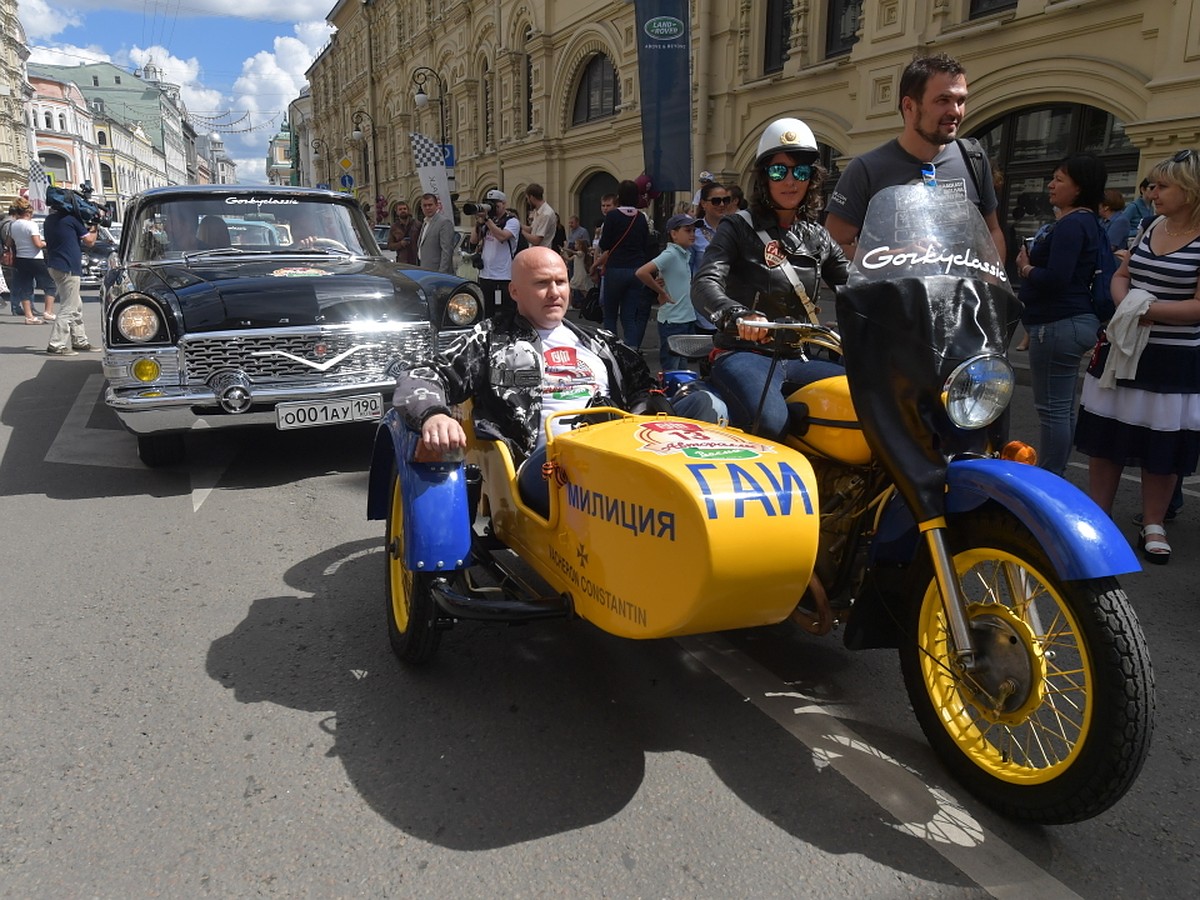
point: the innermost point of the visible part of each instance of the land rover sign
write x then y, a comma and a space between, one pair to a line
664, 28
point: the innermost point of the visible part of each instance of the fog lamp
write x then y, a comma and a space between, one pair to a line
146, 370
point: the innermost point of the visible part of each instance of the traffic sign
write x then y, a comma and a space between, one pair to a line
345, 162
347, 181
322, 186
448, 155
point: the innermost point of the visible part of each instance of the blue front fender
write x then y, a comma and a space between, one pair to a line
437, 524
1079, 539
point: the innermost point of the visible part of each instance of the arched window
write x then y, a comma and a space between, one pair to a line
56, 165
106, 179
1024, 147
49, 117
62, 122
598, 93
102, 139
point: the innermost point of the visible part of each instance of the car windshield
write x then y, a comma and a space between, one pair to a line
181, 226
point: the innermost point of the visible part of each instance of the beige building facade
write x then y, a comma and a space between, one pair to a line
15, 92
536, 91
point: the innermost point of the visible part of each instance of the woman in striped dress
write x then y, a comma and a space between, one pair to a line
1153, 419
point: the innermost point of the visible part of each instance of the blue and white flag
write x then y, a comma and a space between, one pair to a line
431, 168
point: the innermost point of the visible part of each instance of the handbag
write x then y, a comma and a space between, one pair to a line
592, 309
7, 258
609, 251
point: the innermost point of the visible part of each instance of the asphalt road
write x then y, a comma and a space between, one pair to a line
199, 701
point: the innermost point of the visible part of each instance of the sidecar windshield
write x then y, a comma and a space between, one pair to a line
915, 231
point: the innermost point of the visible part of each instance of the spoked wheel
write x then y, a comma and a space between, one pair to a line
1055, 724
411, 610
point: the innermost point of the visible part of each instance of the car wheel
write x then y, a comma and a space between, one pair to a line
157, 450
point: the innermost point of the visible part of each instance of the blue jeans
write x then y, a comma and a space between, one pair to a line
621, 293
1055, 350
666, 358
739, 378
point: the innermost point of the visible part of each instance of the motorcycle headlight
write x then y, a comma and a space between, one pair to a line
463, 308
138, 323
978, 391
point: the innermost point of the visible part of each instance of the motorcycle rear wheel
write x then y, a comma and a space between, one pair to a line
1056, 724
411, 610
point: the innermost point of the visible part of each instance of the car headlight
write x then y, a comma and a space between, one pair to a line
978, 391
138, 323
463, 308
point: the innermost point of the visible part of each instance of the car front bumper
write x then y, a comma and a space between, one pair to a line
160, 410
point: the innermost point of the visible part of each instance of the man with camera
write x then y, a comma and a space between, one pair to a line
66, 236
495, 238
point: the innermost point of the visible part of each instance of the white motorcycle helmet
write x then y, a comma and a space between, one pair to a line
790, 136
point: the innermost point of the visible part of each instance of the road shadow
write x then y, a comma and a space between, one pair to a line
514, 734
45, 455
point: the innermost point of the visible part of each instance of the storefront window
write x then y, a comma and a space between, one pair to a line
1025, 146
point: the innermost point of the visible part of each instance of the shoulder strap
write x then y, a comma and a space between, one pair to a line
787, 268
972, 152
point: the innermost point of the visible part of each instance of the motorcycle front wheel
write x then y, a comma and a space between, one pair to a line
411, 610
1054, 724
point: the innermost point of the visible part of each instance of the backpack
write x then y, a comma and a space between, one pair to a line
973, 155
1106, 267
520, 243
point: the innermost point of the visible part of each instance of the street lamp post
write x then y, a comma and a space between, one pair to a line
420, 76
320, 148
357, 135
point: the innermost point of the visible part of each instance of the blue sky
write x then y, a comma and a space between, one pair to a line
237, 61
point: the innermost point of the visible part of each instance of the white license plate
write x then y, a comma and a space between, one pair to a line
311, 413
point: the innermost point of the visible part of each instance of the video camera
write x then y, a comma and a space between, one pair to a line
477, 209
77, 203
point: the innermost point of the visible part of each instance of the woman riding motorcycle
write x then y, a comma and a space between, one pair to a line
763, 263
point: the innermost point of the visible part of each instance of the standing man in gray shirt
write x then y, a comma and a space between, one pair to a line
933, 102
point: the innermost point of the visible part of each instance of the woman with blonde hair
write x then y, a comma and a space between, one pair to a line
29, 266
1152, 419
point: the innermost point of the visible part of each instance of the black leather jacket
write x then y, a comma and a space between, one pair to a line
734, 277
498, 364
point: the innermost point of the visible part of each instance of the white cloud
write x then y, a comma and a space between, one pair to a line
67, 55
41, 20
252, 169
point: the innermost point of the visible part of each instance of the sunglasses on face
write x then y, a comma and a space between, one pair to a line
779, 171
720, 201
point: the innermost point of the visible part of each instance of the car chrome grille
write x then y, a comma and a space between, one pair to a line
303, 352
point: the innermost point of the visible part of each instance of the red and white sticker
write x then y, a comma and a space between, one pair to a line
697, 441
773, 256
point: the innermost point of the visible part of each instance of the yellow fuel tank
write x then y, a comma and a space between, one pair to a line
833, 427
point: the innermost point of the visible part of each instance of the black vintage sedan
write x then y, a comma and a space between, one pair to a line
233, 306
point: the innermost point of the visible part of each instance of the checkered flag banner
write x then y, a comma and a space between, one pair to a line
431, 167
38, 182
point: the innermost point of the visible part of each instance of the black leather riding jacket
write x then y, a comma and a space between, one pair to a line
734, 277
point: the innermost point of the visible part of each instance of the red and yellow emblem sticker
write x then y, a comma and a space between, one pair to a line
696, 441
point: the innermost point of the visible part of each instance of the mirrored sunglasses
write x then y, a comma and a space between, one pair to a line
779, 171
1182, 156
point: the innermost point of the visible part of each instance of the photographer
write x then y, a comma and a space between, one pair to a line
66, 236
495, 237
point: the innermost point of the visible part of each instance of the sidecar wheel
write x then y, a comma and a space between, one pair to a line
411, 611
1056, 724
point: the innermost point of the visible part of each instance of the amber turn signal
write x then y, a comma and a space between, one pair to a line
1019, 451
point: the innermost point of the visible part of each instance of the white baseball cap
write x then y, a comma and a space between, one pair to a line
498, 196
